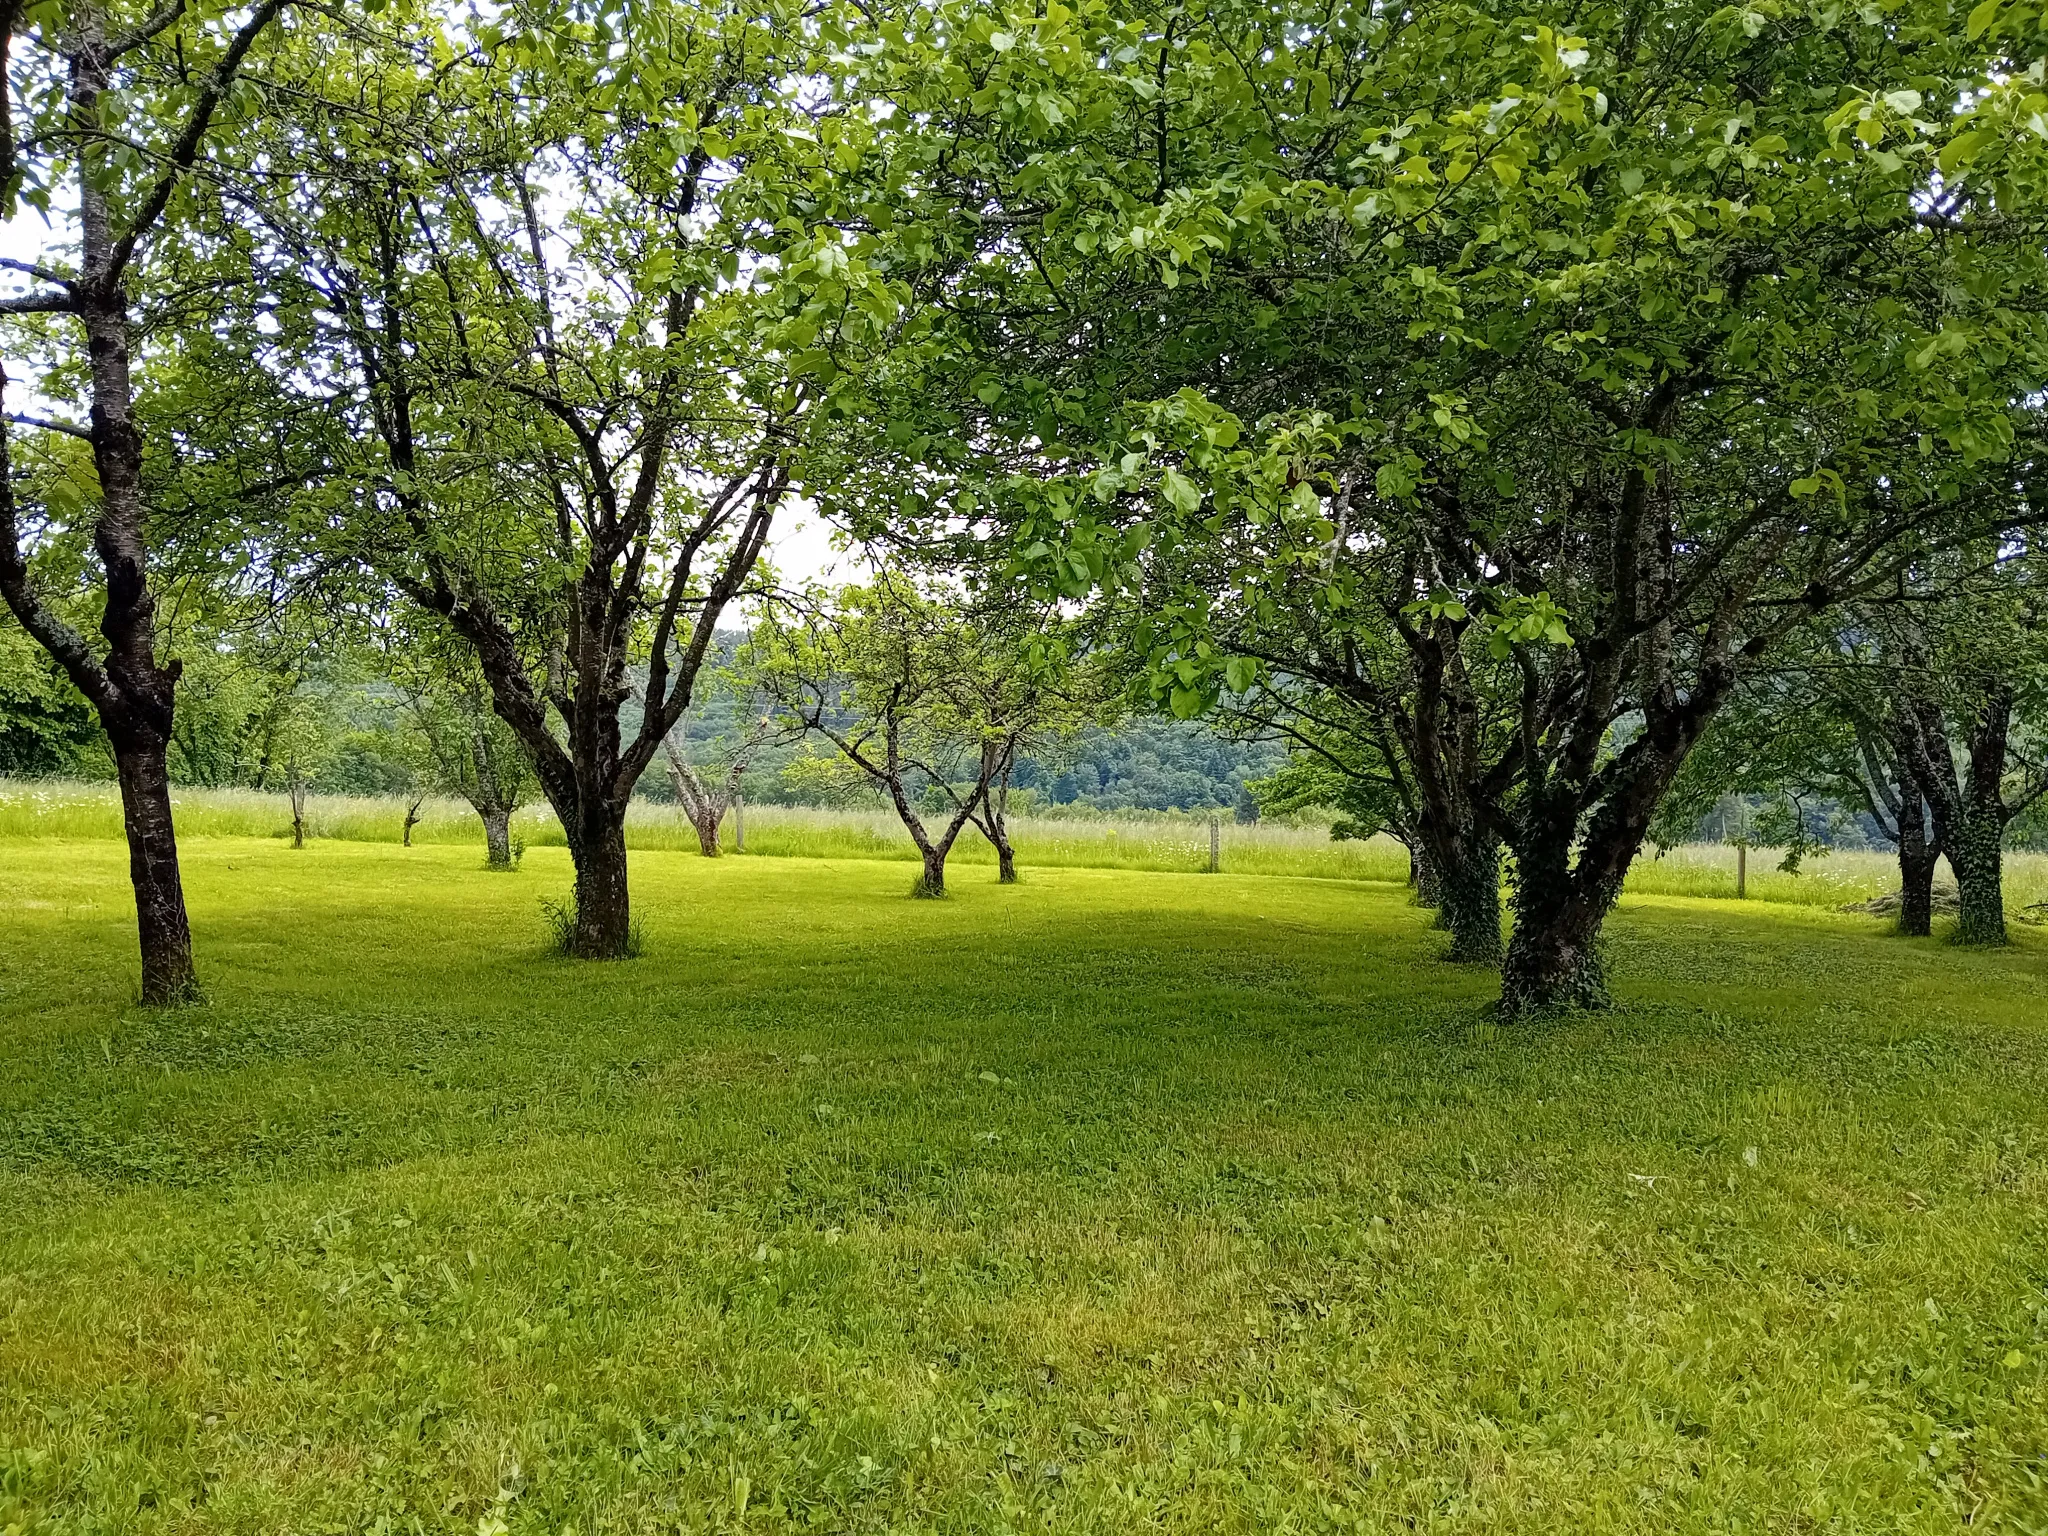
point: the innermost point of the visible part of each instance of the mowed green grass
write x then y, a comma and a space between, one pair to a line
1111, 1201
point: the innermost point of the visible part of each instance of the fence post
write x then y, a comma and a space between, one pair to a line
1215, 845
1742, 871
739, 822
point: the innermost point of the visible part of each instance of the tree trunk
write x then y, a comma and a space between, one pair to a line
412, 819
1461, 869
497, 822
1553, 958
1978, 859
1422, 874
1970, 816
999, 833
604, 915
932, 883
702, 808
1917, 858
705, 818
160, 919
297, 790
1468, 899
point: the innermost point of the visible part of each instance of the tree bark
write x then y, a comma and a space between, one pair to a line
706, 822
1969, 813
932, 883
497, 822
1468, 899
296, 788
1553, 958
1457, 871
412, 819
1567, 881
161, 922
1978, 858
996, 807
1917, 858
1422, 874
604, 912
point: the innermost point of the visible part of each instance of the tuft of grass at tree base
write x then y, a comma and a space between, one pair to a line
1110, 1201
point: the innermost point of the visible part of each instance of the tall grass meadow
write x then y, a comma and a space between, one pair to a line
1150, 841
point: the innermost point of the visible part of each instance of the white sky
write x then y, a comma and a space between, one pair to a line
800, 547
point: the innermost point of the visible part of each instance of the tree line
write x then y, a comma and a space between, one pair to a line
1545, 420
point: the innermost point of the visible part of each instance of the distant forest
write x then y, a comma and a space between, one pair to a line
47, 731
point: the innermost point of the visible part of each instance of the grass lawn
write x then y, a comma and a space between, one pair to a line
1113, 1201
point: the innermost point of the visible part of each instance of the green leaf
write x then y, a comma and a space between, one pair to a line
1961, 150
1182, 492
1981, 19
66, 499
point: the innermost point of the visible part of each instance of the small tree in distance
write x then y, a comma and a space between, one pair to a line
1032, 697
707, 783
916, 690
464, 747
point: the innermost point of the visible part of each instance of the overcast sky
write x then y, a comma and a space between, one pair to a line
801, 546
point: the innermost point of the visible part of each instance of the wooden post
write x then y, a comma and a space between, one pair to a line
1215, 845
739, 822
1742, 871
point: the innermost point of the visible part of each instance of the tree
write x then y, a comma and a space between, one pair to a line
707, 790
1344, 759
1823, 721
1581, 369
898, 680
572, 387
1972, 727
469, 752
123, 111
1035, 689
298, 734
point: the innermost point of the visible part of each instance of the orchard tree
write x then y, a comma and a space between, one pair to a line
1037, 685
910, 688
1573, 364
1826, 720
1344, 758
705, 776
109, 115
1972, 712
576, 326
466, 750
